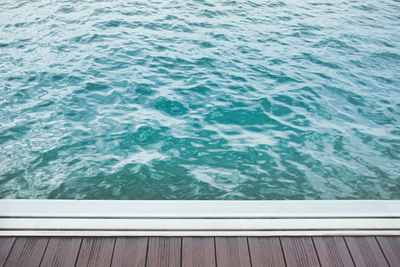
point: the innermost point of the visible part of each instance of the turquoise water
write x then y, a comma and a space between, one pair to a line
200, 99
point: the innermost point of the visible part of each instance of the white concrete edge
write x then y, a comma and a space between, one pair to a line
199, 209
199, 218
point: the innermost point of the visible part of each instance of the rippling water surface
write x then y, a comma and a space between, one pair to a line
200, 99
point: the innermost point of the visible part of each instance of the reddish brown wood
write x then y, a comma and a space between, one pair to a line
61, 251
96, 251
27, 251
198, 252
391, 248
130, 251
232, 251
266, 251
332, 251
164, 251
6, 244
366, 251
299, 251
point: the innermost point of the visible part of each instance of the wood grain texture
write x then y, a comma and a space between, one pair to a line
332, 251
6, 244
299, 251
391, 248
96, 252
266, 251
130, 251
232, 251
61, 252
366, 251
27, 251
198, 252
164, 251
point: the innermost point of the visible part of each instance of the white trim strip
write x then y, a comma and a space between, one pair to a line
200, 224
200, 233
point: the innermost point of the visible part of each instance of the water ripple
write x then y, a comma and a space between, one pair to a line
200, 99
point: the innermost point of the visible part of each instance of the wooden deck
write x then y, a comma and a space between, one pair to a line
200, 251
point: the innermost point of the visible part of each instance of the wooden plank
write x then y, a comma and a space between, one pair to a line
266, 251
299, 251
366, 251
198, 252
232, 251
130, 251
6, 244
96, 251
61, 251
332, 251
27, 251
391, 248
164, 251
